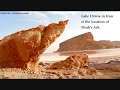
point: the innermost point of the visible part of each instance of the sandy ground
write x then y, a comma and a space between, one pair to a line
111, 70
105, 71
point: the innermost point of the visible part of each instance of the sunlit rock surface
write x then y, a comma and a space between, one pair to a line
23, 49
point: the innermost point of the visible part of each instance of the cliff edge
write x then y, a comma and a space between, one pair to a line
86, 42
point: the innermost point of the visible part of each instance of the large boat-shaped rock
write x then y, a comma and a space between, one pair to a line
24, 48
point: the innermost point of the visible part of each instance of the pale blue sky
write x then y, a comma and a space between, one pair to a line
11, 23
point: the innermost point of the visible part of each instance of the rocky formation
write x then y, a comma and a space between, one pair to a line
111, 65
17, 73
23, 49
72, 62
76, 43
116, 44
79, 63
88, 69
86, 42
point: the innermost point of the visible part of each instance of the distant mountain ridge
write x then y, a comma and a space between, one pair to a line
86, 42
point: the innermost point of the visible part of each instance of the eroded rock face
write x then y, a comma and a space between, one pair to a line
86, 42
23, 49
72, 62
77, 43
76, 63
111, 65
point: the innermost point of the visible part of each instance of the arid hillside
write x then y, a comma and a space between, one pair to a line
86, 42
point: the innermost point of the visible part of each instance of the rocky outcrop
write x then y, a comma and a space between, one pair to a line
116, 44
76, 43
72, 62
111, 65
79, 63
23, 49
86, 42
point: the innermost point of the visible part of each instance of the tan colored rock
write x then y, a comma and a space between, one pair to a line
86, 41
77, 43
72, 62
91, 71
23, 49
111, 65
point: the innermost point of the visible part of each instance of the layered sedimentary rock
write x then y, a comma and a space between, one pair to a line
86, 42
111, 65
79, 63
72, 62
77, 43
24, 48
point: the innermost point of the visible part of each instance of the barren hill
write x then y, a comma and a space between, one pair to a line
86, 42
